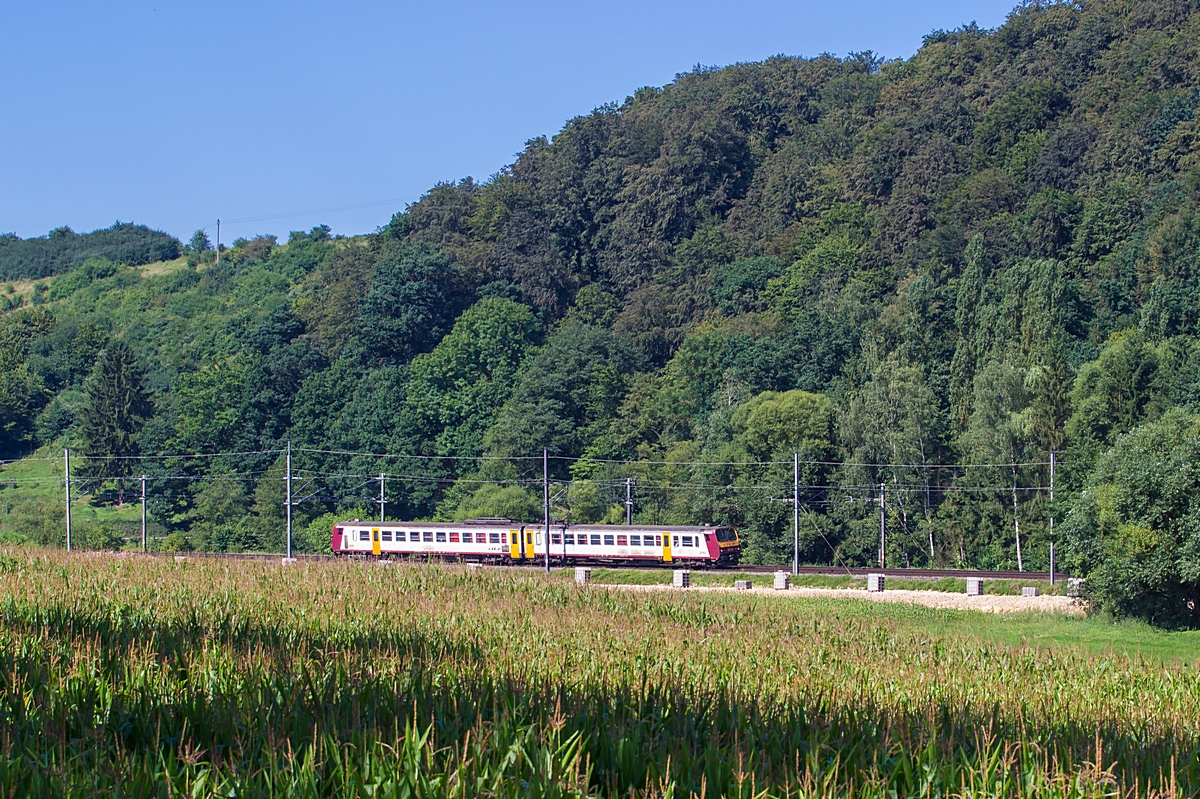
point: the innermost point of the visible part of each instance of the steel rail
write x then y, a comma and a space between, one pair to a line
828, 571
861, 571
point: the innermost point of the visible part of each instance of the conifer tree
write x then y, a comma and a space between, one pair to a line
116, 409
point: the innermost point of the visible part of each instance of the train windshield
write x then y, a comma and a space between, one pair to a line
726, 534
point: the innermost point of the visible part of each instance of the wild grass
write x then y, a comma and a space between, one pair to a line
126, 676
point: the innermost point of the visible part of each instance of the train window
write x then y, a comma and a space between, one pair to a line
466, 538
595, 540
514, 538
529, 538
414, 536
622, 541
494, 538
426, 536
608, 540
555, 538
569, 538
635, 540
454, 538
724, 534
364, 535
387, 535
674, 540
441, 537
687, 540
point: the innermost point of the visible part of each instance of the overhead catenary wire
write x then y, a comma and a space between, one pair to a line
370, 479
565, 458
420, 457
1005, 464
835, 493
179, 455
826, 495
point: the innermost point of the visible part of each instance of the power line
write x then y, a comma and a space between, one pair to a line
332, 209
421, 457
489, 458
179, 455
372, 478
1005, 465
368, 478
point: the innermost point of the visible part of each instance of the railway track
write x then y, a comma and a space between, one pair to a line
856, 571
828, 571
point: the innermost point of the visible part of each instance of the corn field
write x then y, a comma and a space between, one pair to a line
124, 676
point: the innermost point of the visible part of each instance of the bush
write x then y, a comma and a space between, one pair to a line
1135, 530
175, 542
96, 537
317, 537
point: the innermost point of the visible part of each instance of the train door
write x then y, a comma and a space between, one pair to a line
529, 553
374, 540
514, 544
667, 558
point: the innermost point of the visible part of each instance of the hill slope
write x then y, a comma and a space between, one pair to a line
927, 274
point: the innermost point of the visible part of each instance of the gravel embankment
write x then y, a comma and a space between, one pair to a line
988, 603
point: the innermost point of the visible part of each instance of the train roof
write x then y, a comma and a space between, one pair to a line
660, 528
510, 523
505, 523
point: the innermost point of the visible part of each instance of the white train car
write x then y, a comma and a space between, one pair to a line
506, 541
483, 540
709, 545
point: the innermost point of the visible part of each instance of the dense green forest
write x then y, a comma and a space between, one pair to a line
928, 274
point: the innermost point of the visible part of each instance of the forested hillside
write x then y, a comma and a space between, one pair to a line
927, 274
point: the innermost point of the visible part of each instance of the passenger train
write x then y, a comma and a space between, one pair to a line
509, 542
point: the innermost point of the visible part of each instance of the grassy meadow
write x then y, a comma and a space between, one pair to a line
130, 676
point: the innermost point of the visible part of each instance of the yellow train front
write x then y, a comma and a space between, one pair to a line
507, 541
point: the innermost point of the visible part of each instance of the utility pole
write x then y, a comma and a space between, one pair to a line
67, 475
796, 512
546, 500
628, 501
143, 514
218, 242
1053, 453
289, 498
1017, 521
382, 501
882, 527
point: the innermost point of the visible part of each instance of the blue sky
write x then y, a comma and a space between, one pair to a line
278, 116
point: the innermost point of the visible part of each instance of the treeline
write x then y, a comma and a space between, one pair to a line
927, 275
63, 249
